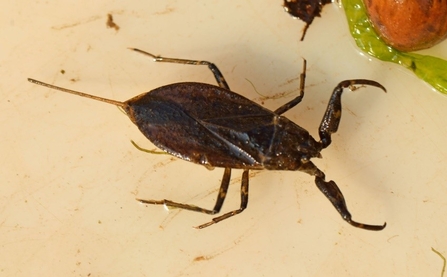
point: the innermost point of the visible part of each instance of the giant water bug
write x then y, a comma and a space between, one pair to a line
215, 127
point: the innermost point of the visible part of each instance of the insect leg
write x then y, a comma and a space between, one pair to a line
332, 116
284, 108
244, 203
217, 74
335, 196
219, 202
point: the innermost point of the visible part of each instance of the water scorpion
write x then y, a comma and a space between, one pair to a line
216, 127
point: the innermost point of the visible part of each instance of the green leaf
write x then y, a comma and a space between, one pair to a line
430, 69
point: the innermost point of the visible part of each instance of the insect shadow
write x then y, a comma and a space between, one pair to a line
215, 127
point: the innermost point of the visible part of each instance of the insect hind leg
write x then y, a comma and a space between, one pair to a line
216, 72
219, 202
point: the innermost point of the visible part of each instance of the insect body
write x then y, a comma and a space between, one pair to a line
215, 127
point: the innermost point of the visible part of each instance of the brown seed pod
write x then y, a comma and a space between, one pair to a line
409, 25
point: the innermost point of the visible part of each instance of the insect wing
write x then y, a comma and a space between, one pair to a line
204, 124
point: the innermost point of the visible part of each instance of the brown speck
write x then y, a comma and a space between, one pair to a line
200, 258
167, 10
110, 23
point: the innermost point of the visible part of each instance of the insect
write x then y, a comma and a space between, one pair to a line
215, 127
